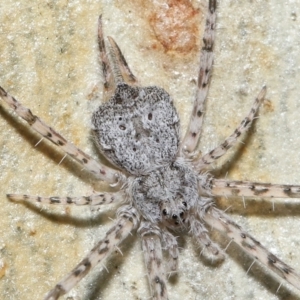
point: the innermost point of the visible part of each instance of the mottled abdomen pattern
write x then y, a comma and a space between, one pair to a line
138, 128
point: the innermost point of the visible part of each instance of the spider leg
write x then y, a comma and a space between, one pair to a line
95, 199
106, 70
126, 222
221, 187
193, 132
151, 245
171, 246
99, 170
219, 151
120, 64
200, 232
121, 71
222, 222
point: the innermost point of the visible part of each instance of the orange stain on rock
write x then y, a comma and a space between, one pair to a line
3, 268
268, 106
176, 25
32, 232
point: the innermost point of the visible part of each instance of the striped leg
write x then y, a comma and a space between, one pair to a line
216, 153
151, 245
126, 222
120, 63
171, 246
96, 199
106, 69
222, 222
99, 170
121, 70
200, 233
193, 133
221, 187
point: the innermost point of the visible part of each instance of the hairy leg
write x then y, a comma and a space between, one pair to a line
126, 222
221, 187
219, 151
99, 170
222, 222
95, 199
108, 81
151, 245
121, 64
193, 132
171, 246
200, 233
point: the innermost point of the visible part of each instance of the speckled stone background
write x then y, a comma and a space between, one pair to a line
49, 61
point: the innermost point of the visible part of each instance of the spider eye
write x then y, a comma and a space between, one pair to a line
174, 217
181, 214
164, 212
184, 203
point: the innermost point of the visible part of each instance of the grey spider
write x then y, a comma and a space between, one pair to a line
163, 185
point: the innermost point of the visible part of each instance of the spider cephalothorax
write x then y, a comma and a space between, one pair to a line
167, 195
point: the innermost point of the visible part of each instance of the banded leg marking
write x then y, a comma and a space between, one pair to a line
121, 63
151, 245
99, 170
221, 187
106, 70
95, 199
103, 249
249, 244
171, 246
219, 151
193, 133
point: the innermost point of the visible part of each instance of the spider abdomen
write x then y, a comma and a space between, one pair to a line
138, 128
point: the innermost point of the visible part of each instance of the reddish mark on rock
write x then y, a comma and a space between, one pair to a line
176, 25
3, 267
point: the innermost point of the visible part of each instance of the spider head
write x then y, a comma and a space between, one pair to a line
174, 215
167, 195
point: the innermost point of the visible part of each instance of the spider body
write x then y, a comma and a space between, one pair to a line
137, 129
163, 182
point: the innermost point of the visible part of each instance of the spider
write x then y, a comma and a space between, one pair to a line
163, 183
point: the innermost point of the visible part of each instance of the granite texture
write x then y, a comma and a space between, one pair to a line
49, 61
